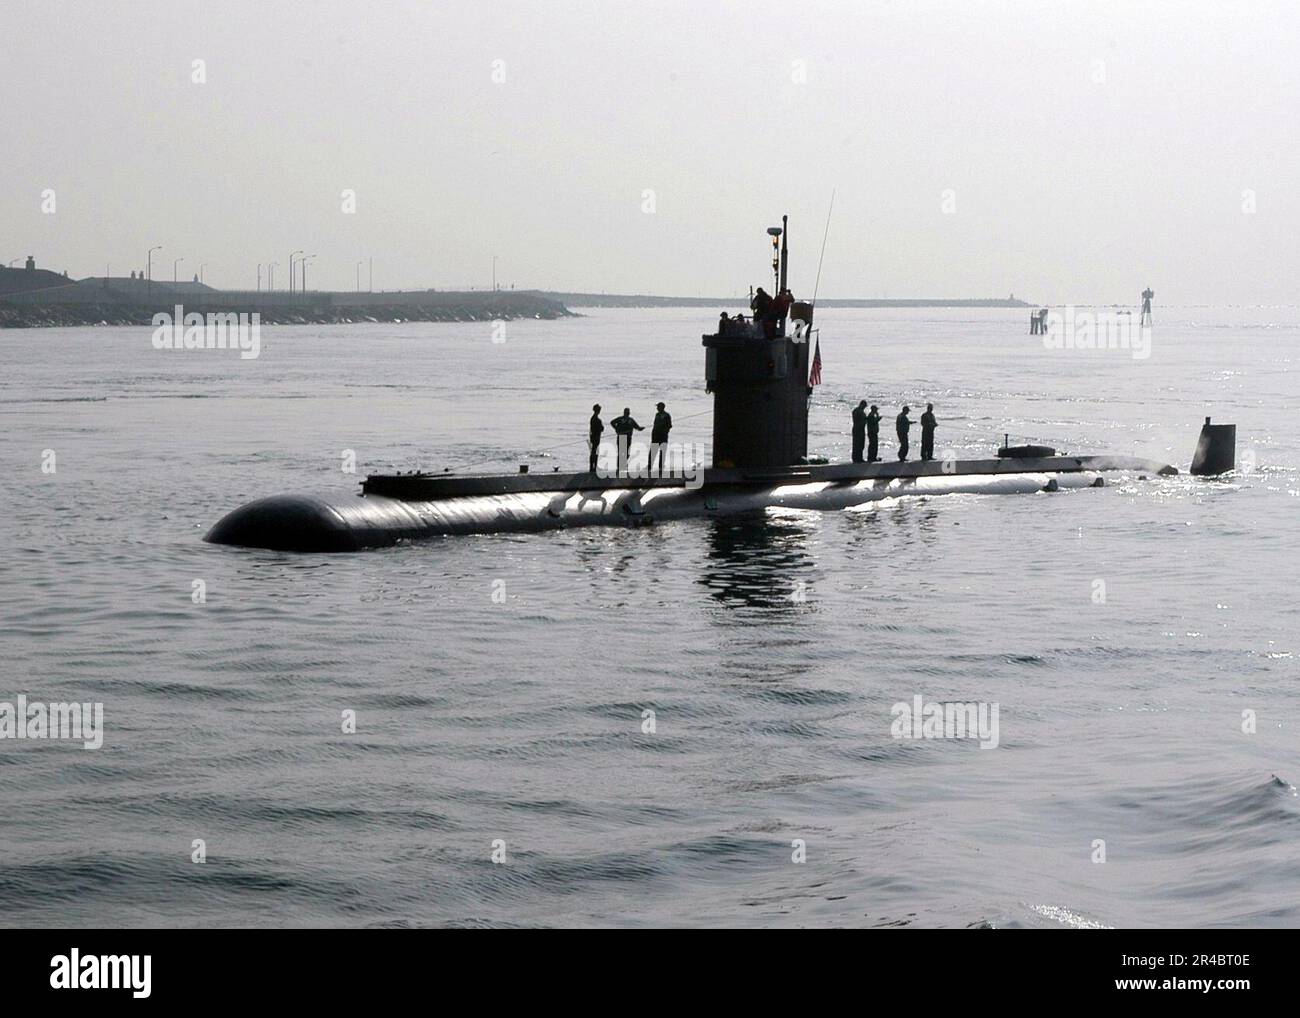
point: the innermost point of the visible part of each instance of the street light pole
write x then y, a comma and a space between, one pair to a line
358, 277
303, 263
494, 273
149, 271
202, 266
291, 270
259, 277
270, 280
175, 262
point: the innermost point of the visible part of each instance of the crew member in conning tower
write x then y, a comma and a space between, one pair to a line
759, 378
762, 305
781, 306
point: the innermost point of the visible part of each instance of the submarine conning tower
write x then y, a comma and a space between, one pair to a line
758, 374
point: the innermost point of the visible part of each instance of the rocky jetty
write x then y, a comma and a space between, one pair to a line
281, 309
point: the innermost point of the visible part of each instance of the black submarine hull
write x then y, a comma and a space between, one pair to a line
395, 508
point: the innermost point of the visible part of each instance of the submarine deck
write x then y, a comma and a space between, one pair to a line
425, 487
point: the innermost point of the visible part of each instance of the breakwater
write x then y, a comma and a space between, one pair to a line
46, 309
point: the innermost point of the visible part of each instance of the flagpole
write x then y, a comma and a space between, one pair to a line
815, 368
817, 348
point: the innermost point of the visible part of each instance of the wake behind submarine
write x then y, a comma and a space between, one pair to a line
760, 385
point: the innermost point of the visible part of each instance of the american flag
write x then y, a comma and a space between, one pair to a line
815, 375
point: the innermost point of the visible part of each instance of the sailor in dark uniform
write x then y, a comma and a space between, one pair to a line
597, 429
623, 428
762, 306
859, 430
928, 424
663, 424
901, 425
873, 434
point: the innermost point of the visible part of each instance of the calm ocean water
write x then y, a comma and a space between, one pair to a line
769, 649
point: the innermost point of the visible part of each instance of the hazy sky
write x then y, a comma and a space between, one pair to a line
1085, 150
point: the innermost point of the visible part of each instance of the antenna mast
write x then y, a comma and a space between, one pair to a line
818, 282
785, 252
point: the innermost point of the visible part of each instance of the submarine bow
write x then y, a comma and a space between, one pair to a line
316, 523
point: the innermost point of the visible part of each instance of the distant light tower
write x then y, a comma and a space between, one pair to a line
291, 270
149, 272
270, 277
302, 262
259, 277
175, 262
359, 264
1145, 317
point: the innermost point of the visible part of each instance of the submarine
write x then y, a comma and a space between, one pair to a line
758, 375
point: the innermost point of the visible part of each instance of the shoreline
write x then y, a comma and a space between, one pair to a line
72, 315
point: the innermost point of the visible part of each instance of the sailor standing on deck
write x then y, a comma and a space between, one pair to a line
901, 425
597, 429
623, 428
928, 424
859, 430
873, 434
663, 424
